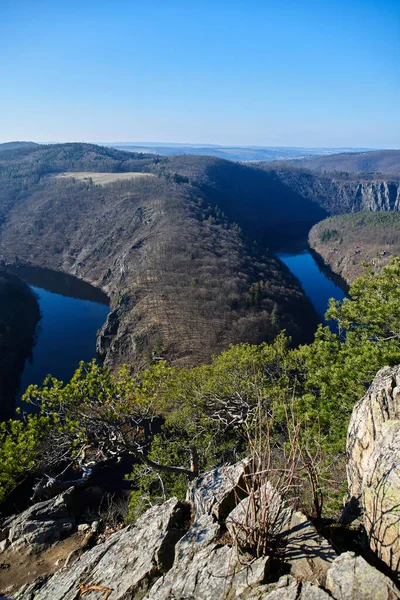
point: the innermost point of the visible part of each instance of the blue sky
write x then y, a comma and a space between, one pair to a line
255, 72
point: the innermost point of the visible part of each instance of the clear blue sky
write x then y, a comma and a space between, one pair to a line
255, 72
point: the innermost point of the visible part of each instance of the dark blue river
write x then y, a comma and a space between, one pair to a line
315, 282
72, 312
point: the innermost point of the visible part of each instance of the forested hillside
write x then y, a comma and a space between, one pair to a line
183, 279
182, 252
345, 242
16, 145
376, 161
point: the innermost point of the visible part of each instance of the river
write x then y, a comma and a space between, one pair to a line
314, 281
72, 311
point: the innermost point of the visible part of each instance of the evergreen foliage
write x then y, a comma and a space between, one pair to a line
178, 422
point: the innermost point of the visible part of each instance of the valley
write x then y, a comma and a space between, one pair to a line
200, 328
172, 252
183, 246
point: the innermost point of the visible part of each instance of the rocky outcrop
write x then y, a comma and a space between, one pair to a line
40, 525
127, 564
177, 551
380, 404
373, 464
351, 577
217, 492
264, 514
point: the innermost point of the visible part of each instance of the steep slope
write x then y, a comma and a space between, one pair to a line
377, 161
182, 280
256, 198
345, 242
339, 193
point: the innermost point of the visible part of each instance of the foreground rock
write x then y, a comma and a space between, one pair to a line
40, 525
195, 550
352, 577
264, 515
217, 492
373, 465
127, 564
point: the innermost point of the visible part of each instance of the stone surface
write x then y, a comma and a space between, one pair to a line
168, 556
352, 578
218, 491
206, 569
262, 512
381, 497
42, 524
380, 404
287, 588
129, 561
306, 551
373, 464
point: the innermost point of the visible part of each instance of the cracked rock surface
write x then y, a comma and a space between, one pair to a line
128, 562
373, 464
188, 551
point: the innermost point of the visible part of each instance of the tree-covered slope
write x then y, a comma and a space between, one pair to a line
183, 280
345, 242
6, 146
376, 161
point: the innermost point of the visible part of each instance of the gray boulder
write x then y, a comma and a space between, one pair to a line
217, 492
287, 588
381, 497
352, 578
263, 515
42, 524
380, 404
205, 569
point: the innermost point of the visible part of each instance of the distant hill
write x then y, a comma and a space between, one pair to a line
16, 145
377, 161
235, 153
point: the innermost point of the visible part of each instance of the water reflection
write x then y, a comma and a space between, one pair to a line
314, 280
72, 312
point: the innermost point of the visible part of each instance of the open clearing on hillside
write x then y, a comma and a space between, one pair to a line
101, 178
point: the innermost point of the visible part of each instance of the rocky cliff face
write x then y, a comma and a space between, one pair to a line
373, 464
354, 196
344, 193
379, 195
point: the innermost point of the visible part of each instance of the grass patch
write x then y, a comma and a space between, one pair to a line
102, 178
